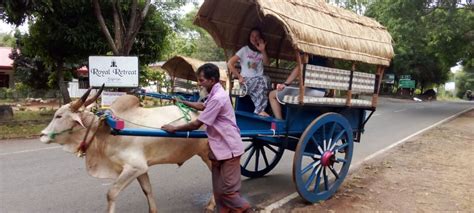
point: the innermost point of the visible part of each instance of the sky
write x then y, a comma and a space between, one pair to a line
6, 28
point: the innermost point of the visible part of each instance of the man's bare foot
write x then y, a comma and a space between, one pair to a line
264, 114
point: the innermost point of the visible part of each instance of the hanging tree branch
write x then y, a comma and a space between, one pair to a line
135, 25
103, 27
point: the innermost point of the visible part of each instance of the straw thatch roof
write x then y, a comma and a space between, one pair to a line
311, 26
186, 68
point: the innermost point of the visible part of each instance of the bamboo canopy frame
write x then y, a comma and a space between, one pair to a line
310, 26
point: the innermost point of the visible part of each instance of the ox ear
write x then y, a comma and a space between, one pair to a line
77, 118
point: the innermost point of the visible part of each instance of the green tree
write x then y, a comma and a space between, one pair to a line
30, 70
7, 40
193, 41
429, 36
64, 33
358, 6
57, 37
464, 81
128, 18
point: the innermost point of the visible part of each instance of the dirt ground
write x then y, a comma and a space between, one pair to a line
36, 105
430, 173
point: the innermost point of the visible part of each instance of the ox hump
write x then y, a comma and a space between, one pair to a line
125, 103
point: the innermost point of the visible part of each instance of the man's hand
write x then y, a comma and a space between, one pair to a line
169, 128
280, 87
176, 100
241, 79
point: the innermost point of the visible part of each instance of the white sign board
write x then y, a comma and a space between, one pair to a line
450, 86
109, 97
114, 71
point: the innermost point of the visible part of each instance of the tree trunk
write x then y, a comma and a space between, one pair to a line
62, 84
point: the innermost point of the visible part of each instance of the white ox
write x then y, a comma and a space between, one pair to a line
124, 158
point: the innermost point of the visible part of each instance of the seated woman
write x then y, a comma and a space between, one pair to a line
275, 105
252, 58
276, 108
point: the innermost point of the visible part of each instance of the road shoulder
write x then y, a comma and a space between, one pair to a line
430, 172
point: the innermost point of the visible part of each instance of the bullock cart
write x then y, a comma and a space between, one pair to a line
321, 130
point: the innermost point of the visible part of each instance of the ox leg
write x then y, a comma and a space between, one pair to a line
129, 173
211, 205
144, 181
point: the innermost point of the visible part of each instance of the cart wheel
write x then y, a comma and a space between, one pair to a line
259, 158
322, 157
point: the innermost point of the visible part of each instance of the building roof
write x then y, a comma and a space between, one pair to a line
5, 61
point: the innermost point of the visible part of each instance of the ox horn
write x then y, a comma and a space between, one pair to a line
77, 104
93, 99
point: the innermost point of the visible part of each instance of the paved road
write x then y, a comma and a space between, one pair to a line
43, 178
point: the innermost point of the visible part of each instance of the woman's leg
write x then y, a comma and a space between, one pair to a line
257, 90
276, 108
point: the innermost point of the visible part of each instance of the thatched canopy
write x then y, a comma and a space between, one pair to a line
311, 26
186, 68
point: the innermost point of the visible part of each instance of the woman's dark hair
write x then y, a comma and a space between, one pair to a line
249, 44
210, 71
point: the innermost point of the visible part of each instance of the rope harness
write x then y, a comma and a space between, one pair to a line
52, 135
82, 148
185, 110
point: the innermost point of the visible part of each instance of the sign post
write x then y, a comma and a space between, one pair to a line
113, 71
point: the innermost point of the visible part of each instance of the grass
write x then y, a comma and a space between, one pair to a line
21, 131
6, 101
33, 115
25, 129
447, 98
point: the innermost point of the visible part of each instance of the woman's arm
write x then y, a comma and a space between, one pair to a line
233, 70
261, 47
293, 75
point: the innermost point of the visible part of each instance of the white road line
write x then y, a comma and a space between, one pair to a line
376, 114
28, 150
294, 195
279, 203
401, 110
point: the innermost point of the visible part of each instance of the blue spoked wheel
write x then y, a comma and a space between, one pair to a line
322, 157
259, 158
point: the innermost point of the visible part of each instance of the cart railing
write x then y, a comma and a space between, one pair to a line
276, 75
331, 78
118, 127
326, 78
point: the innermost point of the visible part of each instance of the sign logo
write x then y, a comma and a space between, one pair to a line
114, 71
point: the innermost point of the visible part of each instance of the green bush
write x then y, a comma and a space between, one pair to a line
3, 93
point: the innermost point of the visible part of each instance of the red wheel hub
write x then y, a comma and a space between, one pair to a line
326, 159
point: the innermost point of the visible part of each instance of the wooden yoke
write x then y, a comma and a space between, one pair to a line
300, 61
349, 91
378, 81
